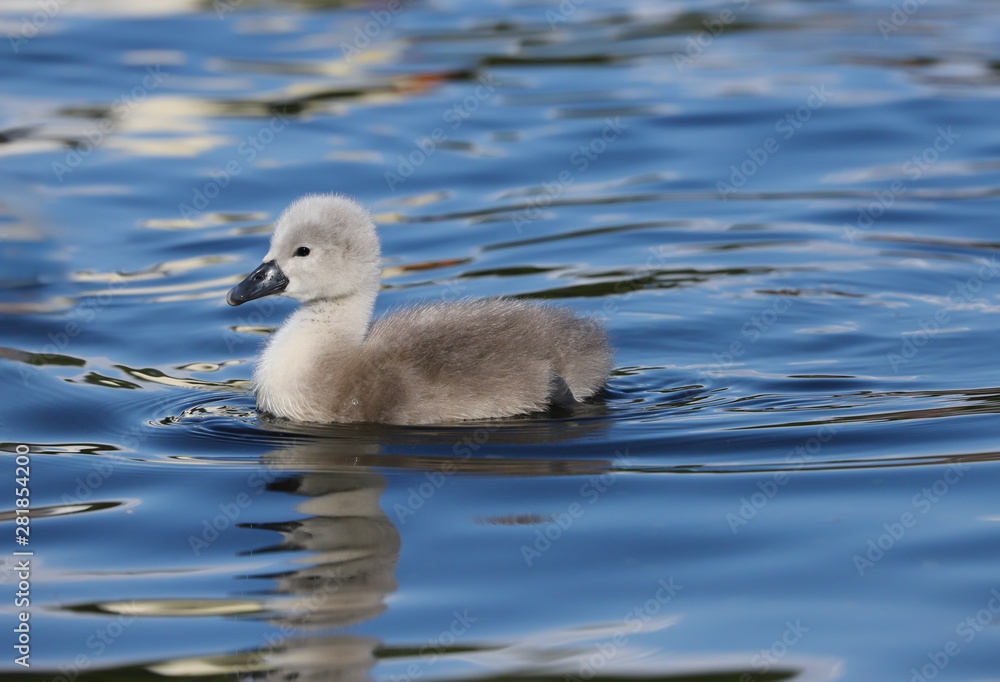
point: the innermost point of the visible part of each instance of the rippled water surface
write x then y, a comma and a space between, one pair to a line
786, 213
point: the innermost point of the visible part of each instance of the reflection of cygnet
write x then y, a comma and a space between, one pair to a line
440, 362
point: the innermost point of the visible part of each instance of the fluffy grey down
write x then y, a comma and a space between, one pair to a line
466, 360
471, 359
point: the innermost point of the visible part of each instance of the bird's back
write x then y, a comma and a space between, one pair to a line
479, 359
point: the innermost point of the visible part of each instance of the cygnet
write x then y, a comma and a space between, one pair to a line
471, 359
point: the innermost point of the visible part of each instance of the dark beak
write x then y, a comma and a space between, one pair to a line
266, 280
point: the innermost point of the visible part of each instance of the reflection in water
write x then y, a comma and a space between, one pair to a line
347, 550
40, 358
62, 510
353, 549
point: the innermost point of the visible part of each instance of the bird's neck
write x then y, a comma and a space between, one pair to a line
318, 332
319, 329
341, 322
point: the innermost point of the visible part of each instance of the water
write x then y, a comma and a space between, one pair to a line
784, 211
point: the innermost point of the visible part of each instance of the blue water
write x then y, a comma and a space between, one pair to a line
785, 213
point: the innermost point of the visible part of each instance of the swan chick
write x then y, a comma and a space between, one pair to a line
470, 359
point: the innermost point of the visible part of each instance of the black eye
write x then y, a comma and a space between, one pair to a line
302, 251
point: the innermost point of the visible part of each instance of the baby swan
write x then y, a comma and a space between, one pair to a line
430, 363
